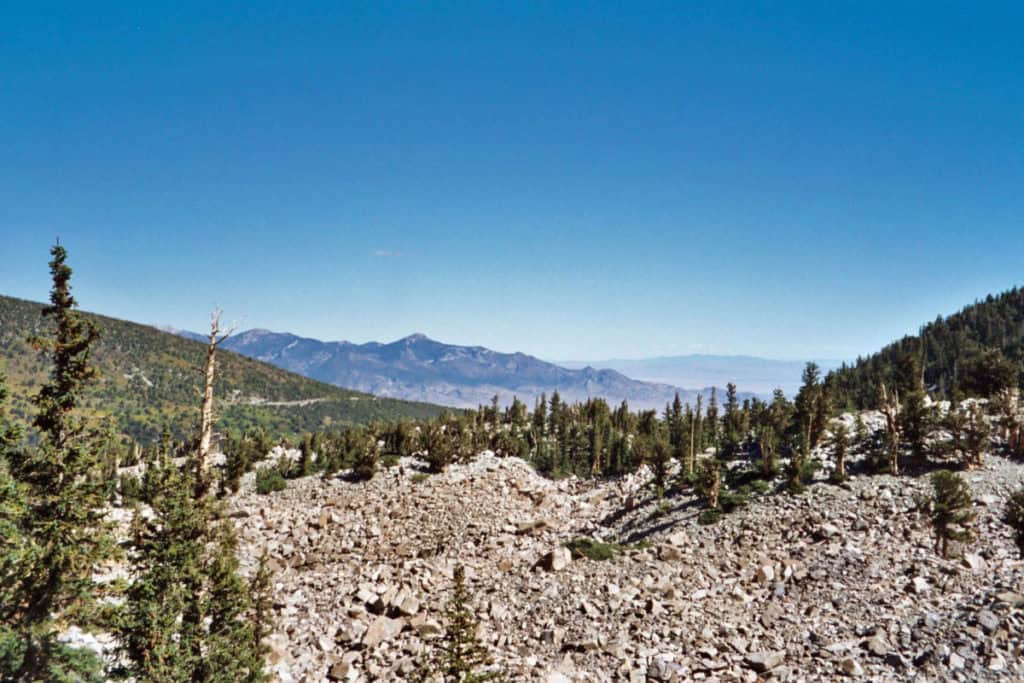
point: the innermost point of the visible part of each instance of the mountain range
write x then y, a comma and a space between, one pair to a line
754, 374
149, 379
418, 368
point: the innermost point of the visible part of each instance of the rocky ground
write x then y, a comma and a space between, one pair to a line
841, 581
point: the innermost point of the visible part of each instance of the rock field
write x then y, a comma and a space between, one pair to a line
841, 582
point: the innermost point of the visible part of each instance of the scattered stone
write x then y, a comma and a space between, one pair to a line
851, 667
382, 628
556, 560
764, 661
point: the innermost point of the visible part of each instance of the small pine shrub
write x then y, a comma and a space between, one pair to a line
709, 516
459, 655
731, 500
269, 480
1014, 516
593, 550
420, 477
950, 510
388, 461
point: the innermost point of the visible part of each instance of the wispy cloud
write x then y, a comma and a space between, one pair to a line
386, 253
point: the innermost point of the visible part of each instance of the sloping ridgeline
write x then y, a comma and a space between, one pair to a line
150, 378
965, 354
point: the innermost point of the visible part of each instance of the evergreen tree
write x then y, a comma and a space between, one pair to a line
977, 440
659, 457
306, 456
840, 445
62, 525
915, 418
809, 407
460, 655
732, 433
950, 510
1014, 516
188, 615
711, 426
13, 545
540, 415
709, 481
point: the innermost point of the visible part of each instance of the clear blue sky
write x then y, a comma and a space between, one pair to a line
574, 180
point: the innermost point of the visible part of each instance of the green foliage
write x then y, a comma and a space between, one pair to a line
708, 484
148, 379
976, 436
840, 447
420, 477
188, 615
709, 516
950, 511
366, 455
729, 501
1014, 516
459, 656
52, 504
269, 480
593, 550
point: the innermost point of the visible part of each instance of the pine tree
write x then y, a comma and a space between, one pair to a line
366, 455
977, 437
1014, 516
460, 654
732, 433
306, 456
188, 615
840, 445
63, 527
659, 457
711, 426
950, 510
915, 419
889, 404
709, 481
810, 406
13, 545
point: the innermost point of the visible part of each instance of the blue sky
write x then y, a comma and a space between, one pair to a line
574, 180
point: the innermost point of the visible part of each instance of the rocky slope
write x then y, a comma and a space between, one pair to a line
839, 582
421, 369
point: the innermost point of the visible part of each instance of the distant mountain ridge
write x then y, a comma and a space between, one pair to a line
149, 379
418, 368
750, 373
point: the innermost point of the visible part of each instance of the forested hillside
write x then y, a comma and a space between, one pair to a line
150, 378
972, 353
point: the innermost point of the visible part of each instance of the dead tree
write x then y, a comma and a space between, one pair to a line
206, 416
890, 407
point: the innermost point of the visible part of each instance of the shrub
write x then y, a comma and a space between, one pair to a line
593, 550
950, 510
420, 477
269, 480
1014, 516
365, 464
390, 460
709, 516
458, 655
731, 500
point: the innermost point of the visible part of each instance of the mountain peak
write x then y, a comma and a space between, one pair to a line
414, 338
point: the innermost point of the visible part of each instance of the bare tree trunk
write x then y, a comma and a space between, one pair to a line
890, 406
206, 417
716, 487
